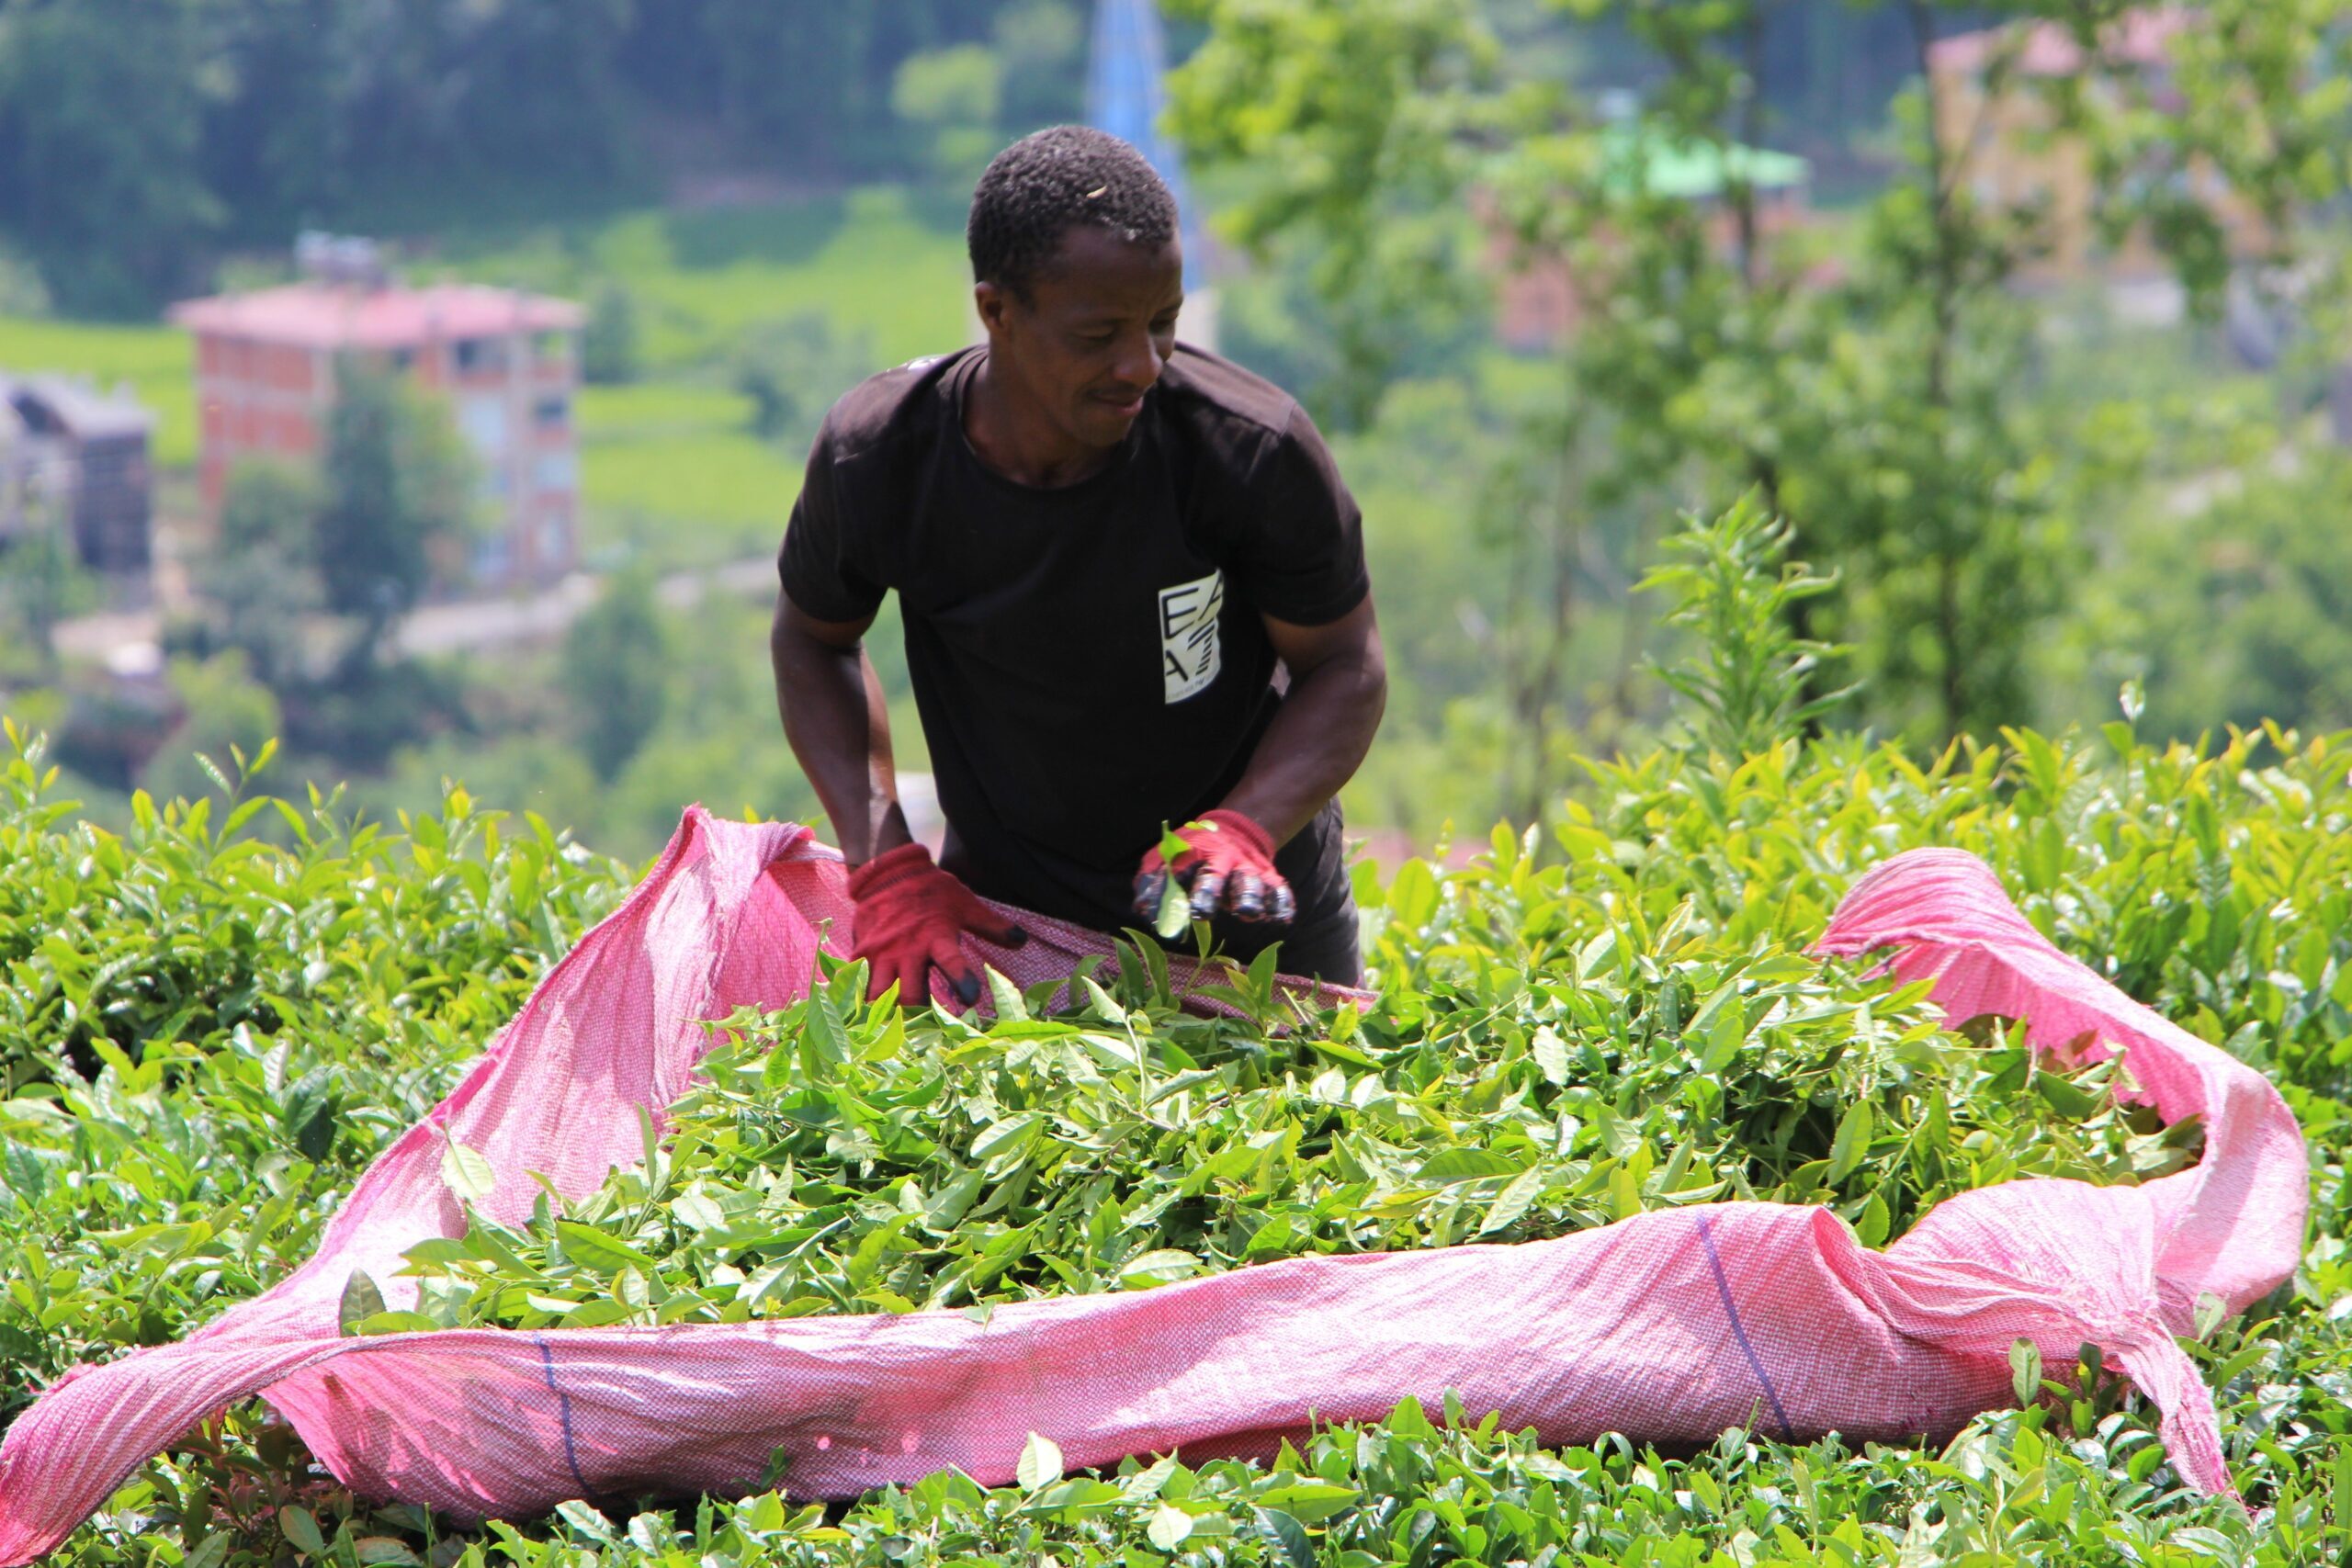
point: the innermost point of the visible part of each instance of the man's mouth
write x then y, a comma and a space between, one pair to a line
1121, 404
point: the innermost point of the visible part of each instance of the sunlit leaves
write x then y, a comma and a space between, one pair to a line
1041, 1463
1622, 1020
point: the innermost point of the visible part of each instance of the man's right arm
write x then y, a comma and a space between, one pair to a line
839, 726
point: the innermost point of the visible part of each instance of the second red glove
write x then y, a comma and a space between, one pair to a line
1227, 863
912, 918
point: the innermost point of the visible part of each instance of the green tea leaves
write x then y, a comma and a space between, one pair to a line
1006, 997
1145, 1484
361, 1300
1161, 1267
1168, 1528
1307, 1502
301, 1530
2025, 1371
1512, 1201
1041, 1463
598, 1249
1631, 1027
1010, 1135
1551, 1054
1852, 1141
1175, 909
1413, 894
467, 1174
1464, 1165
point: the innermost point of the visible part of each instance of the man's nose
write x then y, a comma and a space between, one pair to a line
1139, 362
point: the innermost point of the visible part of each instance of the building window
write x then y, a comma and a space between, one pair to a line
483, 421
551, 348
552, 411
475, 355
557, 470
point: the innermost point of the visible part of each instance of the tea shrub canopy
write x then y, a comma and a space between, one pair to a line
214, 1021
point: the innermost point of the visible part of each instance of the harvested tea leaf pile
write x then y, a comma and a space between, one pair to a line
1614, 1018
842, 1160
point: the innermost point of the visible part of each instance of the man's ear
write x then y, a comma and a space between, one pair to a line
992, 304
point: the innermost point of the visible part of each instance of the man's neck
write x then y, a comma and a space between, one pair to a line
1028, 451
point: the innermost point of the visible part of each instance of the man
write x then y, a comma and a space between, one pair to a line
1109, 553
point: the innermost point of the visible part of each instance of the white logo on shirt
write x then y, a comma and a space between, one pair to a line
1190, 653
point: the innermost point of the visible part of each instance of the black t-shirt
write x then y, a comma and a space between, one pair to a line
1089, 662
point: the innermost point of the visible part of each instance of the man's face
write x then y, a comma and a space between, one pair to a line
1078, 355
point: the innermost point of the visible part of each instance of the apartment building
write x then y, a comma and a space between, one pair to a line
507, 362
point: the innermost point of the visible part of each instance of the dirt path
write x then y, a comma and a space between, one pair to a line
125, 640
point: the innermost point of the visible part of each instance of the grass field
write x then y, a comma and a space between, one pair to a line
687, 498
158, 361
874, 261
670, 466
867, 262
657, 457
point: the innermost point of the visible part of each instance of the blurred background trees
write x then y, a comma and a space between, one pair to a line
2025, 319
1887, 380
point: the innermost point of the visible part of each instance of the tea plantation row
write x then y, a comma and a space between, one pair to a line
210, 1024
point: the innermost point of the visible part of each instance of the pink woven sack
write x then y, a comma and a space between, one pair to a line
1670, 1327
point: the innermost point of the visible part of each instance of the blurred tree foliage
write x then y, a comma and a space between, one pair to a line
2248, 599
102, 147
41, 583
821, 50
614, 673
225, 715
1887, 405
1041, 46
956, 94
609, 351
311, 568
397, 478
139, 139
1354, 117
261, 577
696, 683
792, 368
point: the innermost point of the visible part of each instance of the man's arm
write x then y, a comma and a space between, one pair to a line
1339, 687
839, 726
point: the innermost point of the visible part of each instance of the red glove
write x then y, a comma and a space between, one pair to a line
912, 917
1229, 864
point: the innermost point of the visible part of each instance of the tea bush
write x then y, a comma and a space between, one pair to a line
1614, 1016
206, 1035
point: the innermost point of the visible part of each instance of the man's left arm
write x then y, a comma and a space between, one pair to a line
1300, 552
1339, 687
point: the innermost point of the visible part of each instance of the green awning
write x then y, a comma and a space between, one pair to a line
1641, 157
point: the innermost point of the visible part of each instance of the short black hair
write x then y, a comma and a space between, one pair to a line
1048, 183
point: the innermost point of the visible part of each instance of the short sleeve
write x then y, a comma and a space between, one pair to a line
1302, 559
823, 565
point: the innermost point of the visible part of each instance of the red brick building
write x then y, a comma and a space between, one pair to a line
508, 364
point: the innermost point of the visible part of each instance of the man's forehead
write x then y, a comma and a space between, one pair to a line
1095, 268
